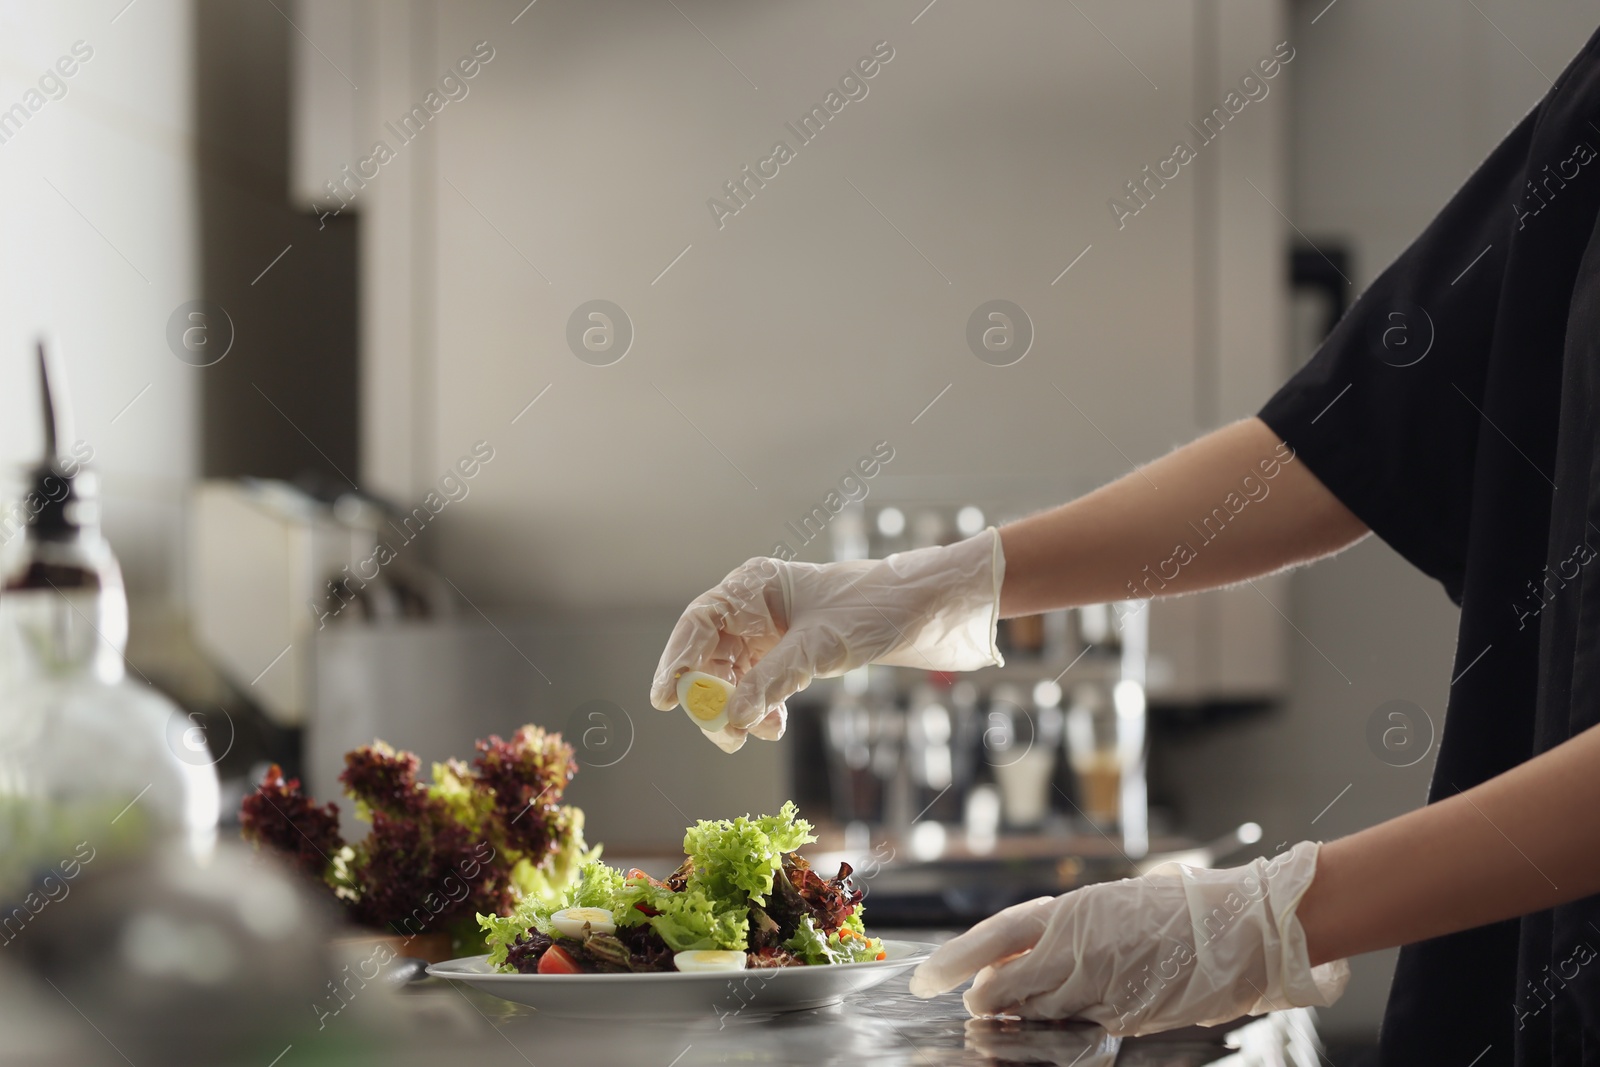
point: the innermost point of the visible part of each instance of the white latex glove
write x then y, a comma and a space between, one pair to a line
1179, 946
774, 625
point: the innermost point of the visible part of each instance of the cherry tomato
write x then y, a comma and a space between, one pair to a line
557, 960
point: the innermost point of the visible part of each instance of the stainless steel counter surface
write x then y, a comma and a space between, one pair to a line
886, 1026
433, 1022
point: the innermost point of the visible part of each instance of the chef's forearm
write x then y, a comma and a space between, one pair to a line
1524, 841
1232, 505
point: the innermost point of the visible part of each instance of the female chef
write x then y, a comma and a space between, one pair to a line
1454, 412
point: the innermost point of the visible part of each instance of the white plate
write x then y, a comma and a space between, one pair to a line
673, 995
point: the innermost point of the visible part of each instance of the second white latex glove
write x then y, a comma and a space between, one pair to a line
1180, 946
774, 625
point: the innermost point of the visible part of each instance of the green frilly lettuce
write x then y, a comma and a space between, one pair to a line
736, 858
732, 864
838, 947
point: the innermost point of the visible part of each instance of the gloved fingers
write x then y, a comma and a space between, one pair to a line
998, 937
1121, 1013
978, 1002
785, 670
1014, 987
1171, 870
696, 636
730, 622
771, 728
729, 739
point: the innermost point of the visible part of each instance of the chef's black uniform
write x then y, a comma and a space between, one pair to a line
1456, 410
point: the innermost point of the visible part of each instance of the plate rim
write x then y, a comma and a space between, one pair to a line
917, 951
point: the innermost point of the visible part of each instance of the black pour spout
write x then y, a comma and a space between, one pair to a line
54, 498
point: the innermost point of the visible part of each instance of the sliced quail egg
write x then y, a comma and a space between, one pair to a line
706, 961
580, 922
705, 698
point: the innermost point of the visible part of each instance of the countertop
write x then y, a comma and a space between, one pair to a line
885, 1025
433, 1022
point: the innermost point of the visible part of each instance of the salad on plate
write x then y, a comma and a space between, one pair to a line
743, 898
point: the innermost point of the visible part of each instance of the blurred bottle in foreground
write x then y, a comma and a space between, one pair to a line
90, 761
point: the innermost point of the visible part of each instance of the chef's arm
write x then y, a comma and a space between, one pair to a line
1234, 504
1522, 842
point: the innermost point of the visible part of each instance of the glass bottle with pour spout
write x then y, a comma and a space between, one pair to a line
86, 754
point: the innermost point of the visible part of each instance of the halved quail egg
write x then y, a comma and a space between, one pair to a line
580, 922
705, 961
705, 698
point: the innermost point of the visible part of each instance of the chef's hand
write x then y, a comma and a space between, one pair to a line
1177, 947
774, 625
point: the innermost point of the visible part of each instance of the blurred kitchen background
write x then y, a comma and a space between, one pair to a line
288, 349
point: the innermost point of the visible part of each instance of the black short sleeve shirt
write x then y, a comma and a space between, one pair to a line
1454, 410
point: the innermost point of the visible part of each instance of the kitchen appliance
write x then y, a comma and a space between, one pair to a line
273, 566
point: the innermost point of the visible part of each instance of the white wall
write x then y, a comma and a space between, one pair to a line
98, 246
1393, 106
807, 329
